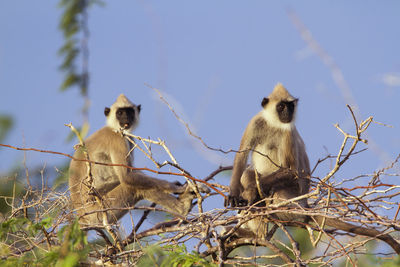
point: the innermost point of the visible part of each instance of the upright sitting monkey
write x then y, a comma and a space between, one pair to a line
272, 138
120, 187
275, 143
281, 165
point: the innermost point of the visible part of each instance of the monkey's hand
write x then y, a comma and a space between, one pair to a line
250, 195
177, 183
234, 201
202, 188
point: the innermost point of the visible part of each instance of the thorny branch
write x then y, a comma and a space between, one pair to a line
353, 203
174, 163
191, 133
364, 205
119, 165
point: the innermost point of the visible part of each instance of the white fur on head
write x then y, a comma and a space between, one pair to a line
269, 112
280, 93
121, 102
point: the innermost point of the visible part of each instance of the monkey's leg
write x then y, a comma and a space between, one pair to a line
268, 184
181, 206
282, 178
119, 200
141, 181
248, 181
158, 191
257, 227
240, 232
123, 197
105, 211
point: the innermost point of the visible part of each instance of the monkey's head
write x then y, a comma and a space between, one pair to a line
123, 114
280, 107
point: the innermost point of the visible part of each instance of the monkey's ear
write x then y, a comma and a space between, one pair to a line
139, 108
106, 111
264, 102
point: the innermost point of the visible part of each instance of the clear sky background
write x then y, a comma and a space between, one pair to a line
214, 61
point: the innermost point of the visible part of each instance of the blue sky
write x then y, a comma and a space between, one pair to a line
214, 61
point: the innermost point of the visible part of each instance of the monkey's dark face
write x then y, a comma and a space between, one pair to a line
285, 110
125, 117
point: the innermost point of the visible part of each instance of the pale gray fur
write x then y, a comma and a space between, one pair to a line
120, 187
286, 178
274, 145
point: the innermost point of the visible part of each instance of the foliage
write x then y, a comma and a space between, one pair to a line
171, 255
74, 26
10, 187
6, 123
392, 263
72, 21
70, 247
70, 26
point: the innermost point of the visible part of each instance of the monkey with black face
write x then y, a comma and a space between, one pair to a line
275, 143
281, 165
120, 188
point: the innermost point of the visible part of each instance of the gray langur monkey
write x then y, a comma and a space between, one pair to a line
120, 188
275, 143
281, 166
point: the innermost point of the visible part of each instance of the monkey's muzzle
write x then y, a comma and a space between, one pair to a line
126, 126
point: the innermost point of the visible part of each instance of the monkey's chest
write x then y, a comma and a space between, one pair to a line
267, 157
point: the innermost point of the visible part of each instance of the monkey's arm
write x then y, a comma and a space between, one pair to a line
303, 162
239, 165
282, 178
139, 180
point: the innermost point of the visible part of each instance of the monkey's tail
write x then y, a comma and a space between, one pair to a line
359, 230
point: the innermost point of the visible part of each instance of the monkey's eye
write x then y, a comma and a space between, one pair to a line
119, 112
280, 107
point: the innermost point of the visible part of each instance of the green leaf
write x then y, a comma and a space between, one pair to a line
69, 58
71, 80
171, 256
6, 123
47, 222
50, 258
70, 260
69, 45
84, 130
